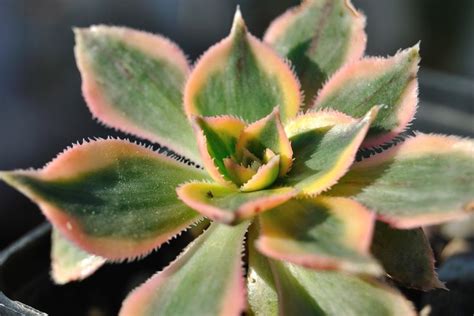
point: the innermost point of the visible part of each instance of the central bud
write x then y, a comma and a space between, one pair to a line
251, 172
251, 157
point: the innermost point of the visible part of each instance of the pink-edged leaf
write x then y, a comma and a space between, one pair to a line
406, 256
325, 144
241, 76
360, 85
320, 233
110, 197
70, 263
425, 180
303, 291
267, 133
227, 205
318, 37
133, 81
206, 279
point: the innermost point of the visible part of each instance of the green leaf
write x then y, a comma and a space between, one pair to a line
112, 198
70, 263
261, 290
318, 37
228, 205
133, 81
359, 86
308, 292
425, 180
243, 77
320, 233
406, 255
324, 145
206, 279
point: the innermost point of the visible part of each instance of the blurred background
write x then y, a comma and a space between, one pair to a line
42, 110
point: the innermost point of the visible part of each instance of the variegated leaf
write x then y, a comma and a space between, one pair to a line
206, 279
308, 292
318, 37
133, 81
112, 198
227, 205
425, 180
320, 233
391, 82
243, 77
324, 145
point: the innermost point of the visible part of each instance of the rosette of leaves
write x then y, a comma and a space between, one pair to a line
276, 126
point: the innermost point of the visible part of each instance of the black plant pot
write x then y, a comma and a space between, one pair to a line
16, 269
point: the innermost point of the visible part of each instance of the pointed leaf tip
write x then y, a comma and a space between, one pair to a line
358, 86
98, 195
238, 24
241, 76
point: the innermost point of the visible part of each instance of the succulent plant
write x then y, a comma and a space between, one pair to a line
263, 140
